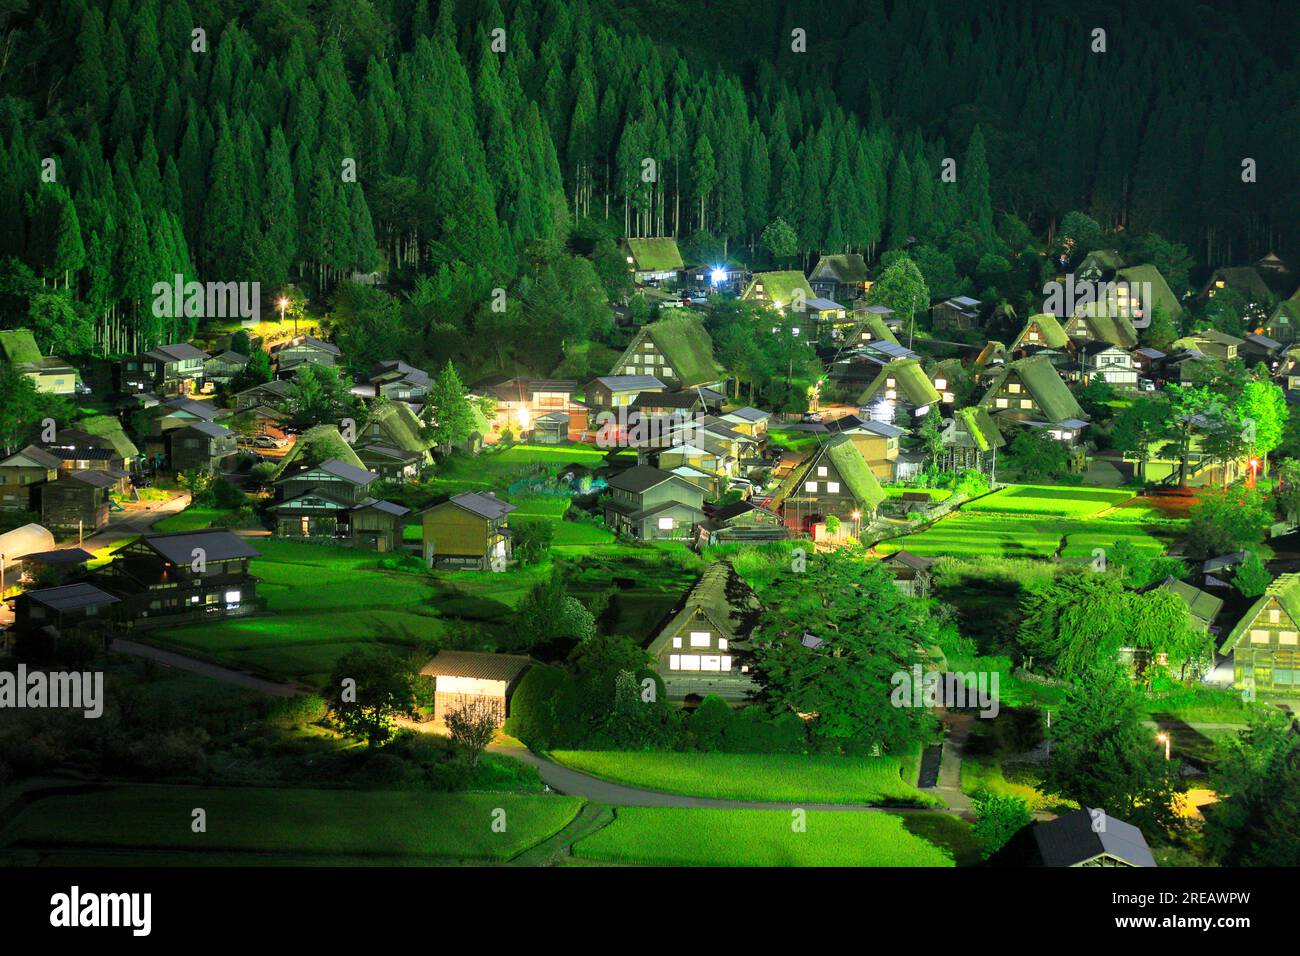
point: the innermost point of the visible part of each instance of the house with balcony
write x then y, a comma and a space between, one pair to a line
651, 504
164, 579
175, 369
317, 501
1110, 363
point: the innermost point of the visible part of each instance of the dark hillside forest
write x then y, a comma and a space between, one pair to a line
501, 144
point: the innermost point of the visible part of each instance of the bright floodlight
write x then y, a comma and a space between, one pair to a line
718, 276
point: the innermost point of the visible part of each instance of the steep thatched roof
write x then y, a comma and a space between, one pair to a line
19, 347
778, 287
1162, 297
910, 383
1044, 385
853, 469
318, 444
848, 268
687, 349
655, 255
399, 425
982, 429
1050, 332
109, 427
1285, 589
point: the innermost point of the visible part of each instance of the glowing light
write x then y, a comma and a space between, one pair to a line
523, 417
718, 276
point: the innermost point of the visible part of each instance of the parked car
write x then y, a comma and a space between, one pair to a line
268, 441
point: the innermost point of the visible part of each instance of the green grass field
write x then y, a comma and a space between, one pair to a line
785, 778
681, 837
426, 826
972, 534
195, 519
1064, 501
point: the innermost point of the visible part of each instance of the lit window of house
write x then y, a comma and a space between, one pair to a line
1275, 616
1014, 388
699, 638
1001, 402
940, 383
949, 397
722, 643
677, 642
1287, 637
1259, 636
832, 487
810, 487
821, 471
890, 393
1026, 403
667, 524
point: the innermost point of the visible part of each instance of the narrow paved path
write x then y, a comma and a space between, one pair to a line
206, 668
575, 783
949, 786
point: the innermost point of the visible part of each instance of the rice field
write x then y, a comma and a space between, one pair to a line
421, 826
784, 778
1064, 501
657, 836
967, 534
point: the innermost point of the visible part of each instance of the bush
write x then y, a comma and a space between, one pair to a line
302, 708
535, 708
709, 723
998, 817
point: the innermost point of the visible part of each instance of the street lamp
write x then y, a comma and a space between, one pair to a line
857, 523
1164, 739
283, 303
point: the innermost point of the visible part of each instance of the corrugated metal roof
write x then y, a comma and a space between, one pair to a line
502, 667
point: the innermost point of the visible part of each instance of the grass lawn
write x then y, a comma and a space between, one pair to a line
196, 518
1065, 501
785, 778
420, 825
936, 494
681, 837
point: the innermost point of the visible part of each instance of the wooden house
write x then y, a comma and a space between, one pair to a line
79, 609
653, 260
303, 350
167, 370
676, 350
878, 442
377, 524
651, 504
1110, 363
1148, 361
1041, 331
202, 446
399, 382
1265, 642
392, 464
1257, 348
394, 425
742, 521
270, 394
835, 480
900, 394
1083, 838
700, 650
1030, 390
873, 326
520, 402
317, 502
21, 473
960, 312
50, 374
971, 439
1244, 280
1211, 343
223, 367
1283, 321
840, 277
165, 579
469, 678
469, 530
77, 500
781, 291
749, 421
620, 391
911, 572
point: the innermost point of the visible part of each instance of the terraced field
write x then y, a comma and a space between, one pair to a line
1061, 500
974, 534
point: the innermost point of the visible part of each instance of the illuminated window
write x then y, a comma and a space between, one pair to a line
941, 383
232, 597
690, 662
1026, 403
699, 638
948, 397
810, 487
821, 471
832, 487
722, 643
1014, 388
1259, 637
1287, 637
674, 662
677, 642
725, 662
1001, 402
710, 663
1275, 617
667, 524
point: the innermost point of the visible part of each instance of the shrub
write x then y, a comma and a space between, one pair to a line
301, 708
998, 817
534, 709
709, 722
